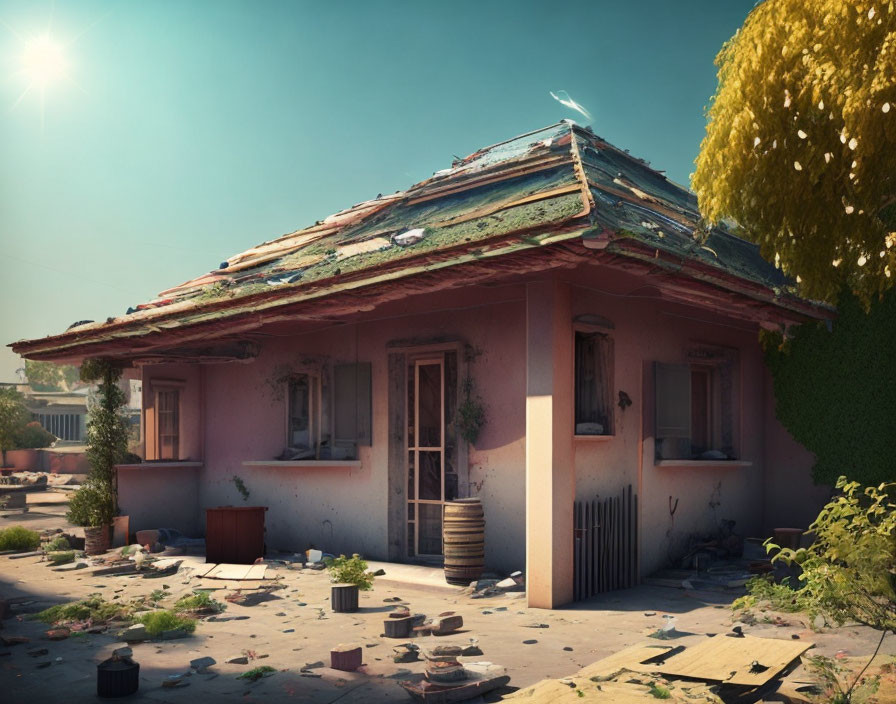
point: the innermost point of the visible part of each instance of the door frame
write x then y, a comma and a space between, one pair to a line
399, 355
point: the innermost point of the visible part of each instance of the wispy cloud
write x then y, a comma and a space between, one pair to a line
562, 97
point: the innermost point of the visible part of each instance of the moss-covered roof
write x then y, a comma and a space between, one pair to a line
559, 176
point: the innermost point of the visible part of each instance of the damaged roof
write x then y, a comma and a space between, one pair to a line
562, 178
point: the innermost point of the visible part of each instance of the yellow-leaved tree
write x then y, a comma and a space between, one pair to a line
800, 147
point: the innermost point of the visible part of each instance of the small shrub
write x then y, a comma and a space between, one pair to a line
157, 622
350, 570
60, 542
199, 601
659, 692
256, 673
94, 608
764, 589
61, 558
157, 595
19, 538
33, 436
831, 675
91, 505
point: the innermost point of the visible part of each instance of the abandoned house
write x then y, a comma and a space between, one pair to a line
538, 324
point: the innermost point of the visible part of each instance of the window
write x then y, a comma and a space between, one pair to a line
168, 423
695, 409
593, 383
303, 419
351, 409
329, 412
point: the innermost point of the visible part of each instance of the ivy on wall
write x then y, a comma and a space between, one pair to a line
835, 391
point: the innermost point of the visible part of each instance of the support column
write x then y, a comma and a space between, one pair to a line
550, 471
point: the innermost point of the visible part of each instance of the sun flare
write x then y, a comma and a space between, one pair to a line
43, 61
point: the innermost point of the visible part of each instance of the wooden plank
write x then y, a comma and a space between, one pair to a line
637, 549
730, 660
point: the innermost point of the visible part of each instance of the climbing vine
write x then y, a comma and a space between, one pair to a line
471, 410
835, 391
107, 445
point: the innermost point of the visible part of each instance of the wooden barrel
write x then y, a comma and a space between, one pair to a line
463, 538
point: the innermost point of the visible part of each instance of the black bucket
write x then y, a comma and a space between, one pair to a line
117, 677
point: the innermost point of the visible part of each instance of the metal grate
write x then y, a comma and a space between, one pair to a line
606, 544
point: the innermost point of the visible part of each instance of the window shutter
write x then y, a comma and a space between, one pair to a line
673, 400
352, 401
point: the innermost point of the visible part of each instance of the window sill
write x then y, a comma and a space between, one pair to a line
302, 463
702, 463
599, 438
164, 464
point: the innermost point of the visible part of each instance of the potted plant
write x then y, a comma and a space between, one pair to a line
95, 503
91, 506
350, 575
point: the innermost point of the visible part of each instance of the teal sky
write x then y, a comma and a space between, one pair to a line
187, 131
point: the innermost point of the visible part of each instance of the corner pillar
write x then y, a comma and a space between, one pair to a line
550, 471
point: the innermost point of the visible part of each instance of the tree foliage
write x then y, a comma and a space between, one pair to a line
47, 376
849, 572
835, 392
800, 147
13, 419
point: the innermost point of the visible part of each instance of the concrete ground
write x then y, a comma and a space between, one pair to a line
296, 628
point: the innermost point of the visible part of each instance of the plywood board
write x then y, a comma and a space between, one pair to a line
628, 659
256, 572
236, 572
203, 570
730, 660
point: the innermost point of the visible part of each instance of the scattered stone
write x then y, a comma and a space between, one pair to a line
237, 660
650, 613
70, 567
531, 641
370, 645
471, 650
174, 633
392, 598
567, 649
202, 664
37, 652
122, 653
14, 640
134, 634
58, 634
405, 653
227, 618
174, 681
445, 650
262, 656
290, 630
307, 665
45, 663
536, 625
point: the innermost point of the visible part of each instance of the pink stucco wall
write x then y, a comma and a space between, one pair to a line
234, 413
344, 509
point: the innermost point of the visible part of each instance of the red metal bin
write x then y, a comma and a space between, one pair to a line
234, 534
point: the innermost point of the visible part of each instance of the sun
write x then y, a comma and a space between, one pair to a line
43, 61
